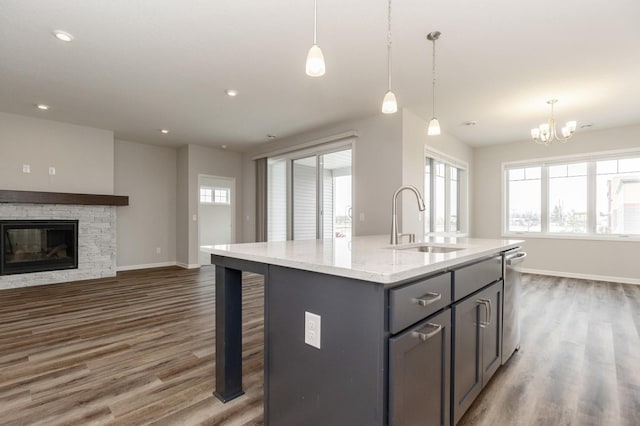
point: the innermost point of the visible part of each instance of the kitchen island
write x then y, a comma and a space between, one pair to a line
360, 332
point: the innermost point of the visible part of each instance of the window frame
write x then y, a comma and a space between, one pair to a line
591, 159
213, 201
462, 193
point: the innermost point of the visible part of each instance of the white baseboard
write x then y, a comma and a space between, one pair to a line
624, 280
188, 266
145, 266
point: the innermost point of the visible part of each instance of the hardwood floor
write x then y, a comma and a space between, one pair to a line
579, 362
139, 349
136, 349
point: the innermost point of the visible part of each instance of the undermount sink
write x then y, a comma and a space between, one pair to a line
430, 249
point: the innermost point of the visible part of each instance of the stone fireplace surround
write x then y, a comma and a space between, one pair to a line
96, 234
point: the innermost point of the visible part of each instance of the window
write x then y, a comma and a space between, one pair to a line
442, 193
206, 195
221, 196
598, 196
524, 200
210, 195
618, 196
568, 198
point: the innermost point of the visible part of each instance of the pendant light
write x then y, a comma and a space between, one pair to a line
315, 58
389, 103
434, 126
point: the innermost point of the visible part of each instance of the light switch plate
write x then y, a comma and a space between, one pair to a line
26, 168
312, 329
52, 171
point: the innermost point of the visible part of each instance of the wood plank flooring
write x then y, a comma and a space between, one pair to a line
136, 349
139, 349
579, 362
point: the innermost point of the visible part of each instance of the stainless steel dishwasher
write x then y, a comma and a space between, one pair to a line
511, 302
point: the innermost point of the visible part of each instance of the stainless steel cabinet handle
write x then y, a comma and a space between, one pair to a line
435, 329
516, 258
487, 306
427, 298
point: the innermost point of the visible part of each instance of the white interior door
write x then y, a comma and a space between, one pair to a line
216, 212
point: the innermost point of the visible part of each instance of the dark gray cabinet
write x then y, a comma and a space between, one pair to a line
419, 373
416, 352
476, 344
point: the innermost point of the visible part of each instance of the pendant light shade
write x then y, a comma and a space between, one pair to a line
389, 103
315, 59
315, 62
434, 125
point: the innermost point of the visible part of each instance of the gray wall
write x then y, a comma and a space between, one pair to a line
572, 257
147, 174
83, 156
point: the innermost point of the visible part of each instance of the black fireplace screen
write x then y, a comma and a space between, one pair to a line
37, 245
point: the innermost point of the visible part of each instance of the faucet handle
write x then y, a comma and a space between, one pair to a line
412, 237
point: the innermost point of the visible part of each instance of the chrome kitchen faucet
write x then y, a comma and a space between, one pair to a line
394, 217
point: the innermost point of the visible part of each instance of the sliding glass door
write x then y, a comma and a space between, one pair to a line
309, 197
336, 194
304, 183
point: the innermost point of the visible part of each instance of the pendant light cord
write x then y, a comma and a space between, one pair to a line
315, 20
433, 106
389, 44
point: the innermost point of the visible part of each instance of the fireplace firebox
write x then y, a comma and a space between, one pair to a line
38, 245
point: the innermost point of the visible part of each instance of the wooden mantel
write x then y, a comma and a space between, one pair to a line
35, 197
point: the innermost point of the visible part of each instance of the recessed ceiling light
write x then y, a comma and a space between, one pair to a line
63, 36
271, 136
231, 92
470, 123
42, 107
165, 131
223, 146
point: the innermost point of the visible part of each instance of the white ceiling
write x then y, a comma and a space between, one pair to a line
138, 66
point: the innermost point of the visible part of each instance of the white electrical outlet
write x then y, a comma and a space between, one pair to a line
312, 329
158, 250
26, 168
361, 217
194, 217
52, 171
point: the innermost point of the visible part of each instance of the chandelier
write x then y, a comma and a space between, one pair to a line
546, 132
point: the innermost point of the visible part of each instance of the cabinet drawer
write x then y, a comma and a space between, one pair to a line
473, 277
418, 300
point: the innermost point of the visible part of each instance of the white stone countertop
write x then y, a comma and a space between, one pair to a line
369, 258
